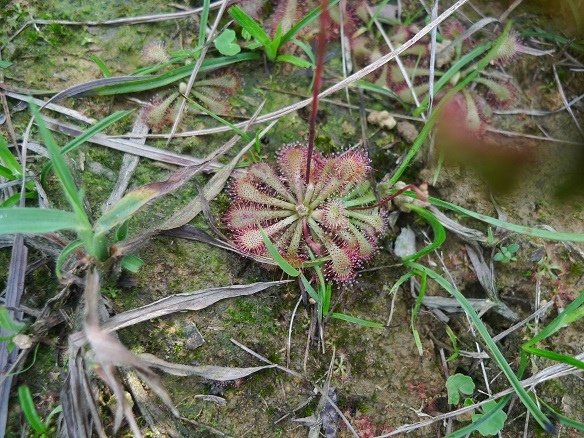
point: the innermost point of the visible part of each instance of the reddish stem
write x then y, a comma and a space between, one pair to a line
322, 36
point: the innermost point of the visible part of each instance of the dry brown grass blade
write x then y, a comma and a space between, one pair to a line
127, 146
486, 276
198, 64
129, 164
193, 208
14, 291
78, 402
109, 353
178, 303
222, 374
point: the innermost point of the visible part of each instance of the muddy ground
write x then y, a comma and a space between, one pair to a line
381, 380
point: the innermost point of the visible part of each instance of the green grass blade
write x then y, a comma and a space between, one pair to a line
305, 21
9, 160
355, 320
151, 82
552, 355
528, 231
61, 169
86, 135
29, 410
294, 60
203, 23
124, 209
250, 25
496, 354
105, 71
572, 312
310, 290
565, 421
64, 255
456, 67
416, 310
37, 220
5, 172
437, 229
8, 323
282, 263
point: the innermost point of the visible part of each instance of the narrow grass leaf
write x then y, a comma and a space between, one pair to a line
105, 71
61, 169
534, 232
10, 162
437, 229
37, 220
294, 60
86, 135
9, 324
29, 410
145, 83
496, 354
203, 23
64, 255
305, 21
250, 25
281, 261
310, 290
355, 320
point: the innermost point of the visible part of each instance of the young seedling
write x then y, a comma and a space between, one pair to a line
506, 253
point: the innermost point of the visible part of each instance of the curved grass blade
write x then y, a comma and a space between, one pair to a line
355, 320
305, 21
129, 84
528, 231
37, 220
250, 25
282, 263
29, 410
61, 170
86, 135
437, 229
64, 255
496, 354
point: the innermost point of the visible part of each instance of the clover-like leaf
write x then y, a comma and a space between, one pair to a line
494, 424
226, 43
456, 384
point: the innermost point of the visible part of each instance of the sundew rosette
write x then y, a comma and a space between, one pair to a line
329, 216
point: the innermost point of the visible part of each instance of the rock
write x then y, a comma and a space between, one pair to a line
405, 243
382, 118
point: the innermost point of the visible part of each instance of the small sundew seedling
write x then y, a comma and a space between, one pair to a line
506, 253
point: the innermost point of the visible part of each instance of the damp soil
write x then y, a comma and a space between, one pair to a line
381, 379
